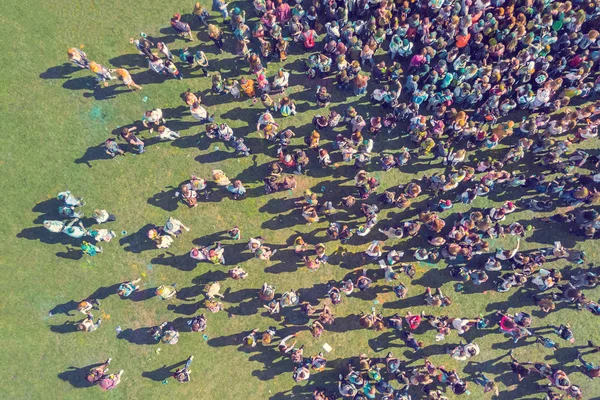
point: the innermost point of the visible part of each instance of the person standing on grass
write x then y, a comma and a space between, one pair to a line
200, 13
221, 6
112, 148
78, 57
126, 78
198, 324
102, 73
200, 114
109, 382
95, 374
216, 35
128, 135
153, 118
181, 27
183, 374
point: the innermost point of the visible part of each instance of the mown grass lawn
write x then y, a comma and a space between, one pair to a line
55, 120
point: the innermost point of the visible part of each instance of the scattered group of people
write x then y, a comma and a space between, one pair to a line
450, 76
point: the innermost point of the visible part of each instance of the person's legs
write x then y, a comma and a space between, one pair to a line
481, 380
188, 363
285, 339
96, 325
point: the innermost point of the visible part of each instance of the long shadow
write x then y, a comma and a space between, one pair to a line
71, 305
283, 221
65, 308
384, 341
272, 367
162, 373
210, 276
45, 236
186, 309
190, 293
400, 304
141, 295
433, 278
182, 262
278, 205
138, 336
77, 376
63, 71
540, 234
344, 324
138, 242
71, 253
314, 294
67, 327
94, 153
223, 341
493, 366
249, 307
129, 61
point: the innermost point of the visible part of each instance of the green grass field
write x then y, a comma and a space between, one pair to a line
54, 122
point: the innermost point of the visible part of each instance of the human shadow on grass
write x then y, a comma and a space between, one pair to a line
541, 234
324, 380
191, 292
165, 199
66, 327
186, 309
519, 296
70, 253
64, 308
224, 341
273, 364
282, 221
433, 278
63, 71
400, 304
496, 366
182, 262
94, 153
162, 373
77, 376
385, 341
279, 205
248, 307
140, 336
138, 242
142, 295
45, 236
350, 322
187, 141
210, 276
129, 61
246, 301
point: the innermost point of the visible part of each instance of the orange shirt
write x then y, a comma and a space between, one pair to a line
462, 41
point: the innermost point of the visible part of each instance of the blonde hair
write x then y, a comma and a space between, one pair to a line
213, 30
94, 67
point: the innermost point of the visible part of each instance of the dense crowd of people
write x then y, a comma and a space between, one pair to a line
456, 78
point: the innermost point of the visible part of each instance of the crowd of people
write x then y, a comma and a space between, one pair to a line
480, 86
